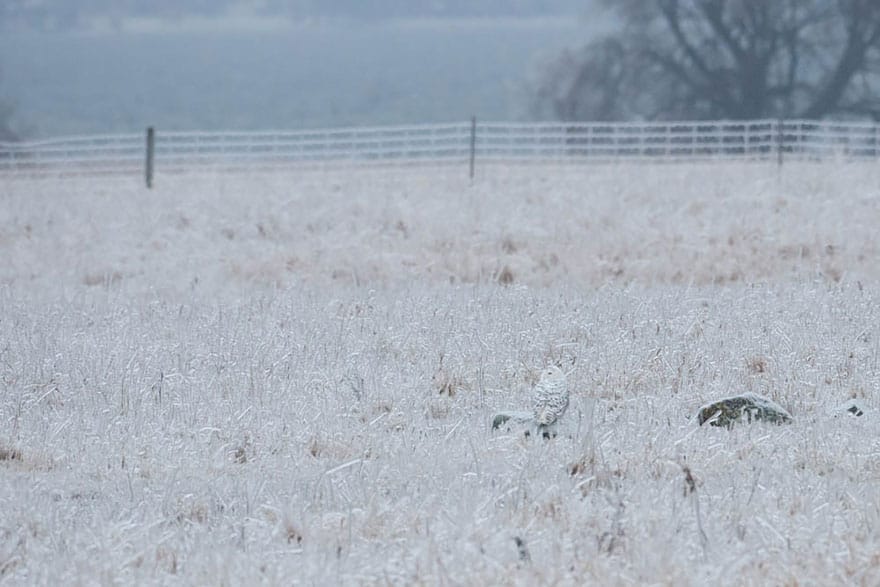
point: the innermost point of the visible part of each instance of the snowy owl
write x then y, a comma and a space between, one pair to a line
550, 401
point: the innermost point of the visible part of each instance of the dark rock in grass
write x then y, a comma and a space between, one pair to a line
748, 407
851, 408
855, 410
507, 418
522, 549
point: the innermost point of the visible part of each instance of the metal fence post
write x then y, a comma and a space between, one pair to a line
473, 146
151, 144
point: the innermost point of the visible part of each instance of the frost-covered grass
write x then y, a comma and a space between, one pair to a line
290, 379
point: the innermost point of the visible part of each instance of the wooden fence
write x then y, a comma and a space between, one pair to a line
468, 144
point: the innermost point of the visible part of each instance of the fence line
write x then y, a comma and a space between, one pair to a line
466, 143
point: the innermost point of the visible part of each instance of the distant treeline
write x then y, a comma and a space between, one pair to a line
69, 14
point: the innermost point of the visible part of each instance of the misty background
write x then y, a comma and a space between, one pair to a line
102, 66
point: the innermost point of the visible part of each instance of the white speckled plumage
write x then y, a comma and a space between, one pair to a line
550, 399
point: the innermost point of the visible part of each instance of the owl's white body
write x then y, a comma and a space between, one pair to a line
550, 400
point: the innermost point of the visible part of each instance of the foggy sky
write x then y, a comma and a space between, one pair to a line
250, 64
62, 15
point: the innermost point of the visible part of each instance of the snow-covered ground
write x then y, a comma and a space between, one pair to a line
289, 377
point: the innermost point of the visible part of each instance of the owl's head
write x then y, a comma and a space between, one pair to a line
552, 374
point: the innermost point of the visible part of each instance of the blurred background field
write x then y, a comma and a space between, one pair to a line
589, 226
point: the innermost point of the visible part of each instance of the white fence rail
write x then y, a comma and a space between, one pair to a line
445, 144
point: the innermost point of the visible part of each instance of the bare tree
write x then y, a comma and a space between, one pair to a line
729, 59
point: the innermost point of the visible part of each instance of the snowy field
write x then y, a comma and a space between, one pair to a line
289, 378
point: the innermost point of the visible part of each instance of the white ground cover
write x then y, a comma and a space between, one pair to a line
289, 377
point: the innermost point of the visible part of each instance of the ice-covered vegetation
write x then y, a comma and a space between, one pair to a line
291, 377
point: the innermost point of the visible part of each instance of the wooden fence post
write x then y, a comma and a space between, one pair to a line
473, 146
780, 140
874, 141
151, 148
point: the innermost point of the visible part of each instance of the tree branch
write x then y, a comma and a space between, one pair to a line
862, 34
